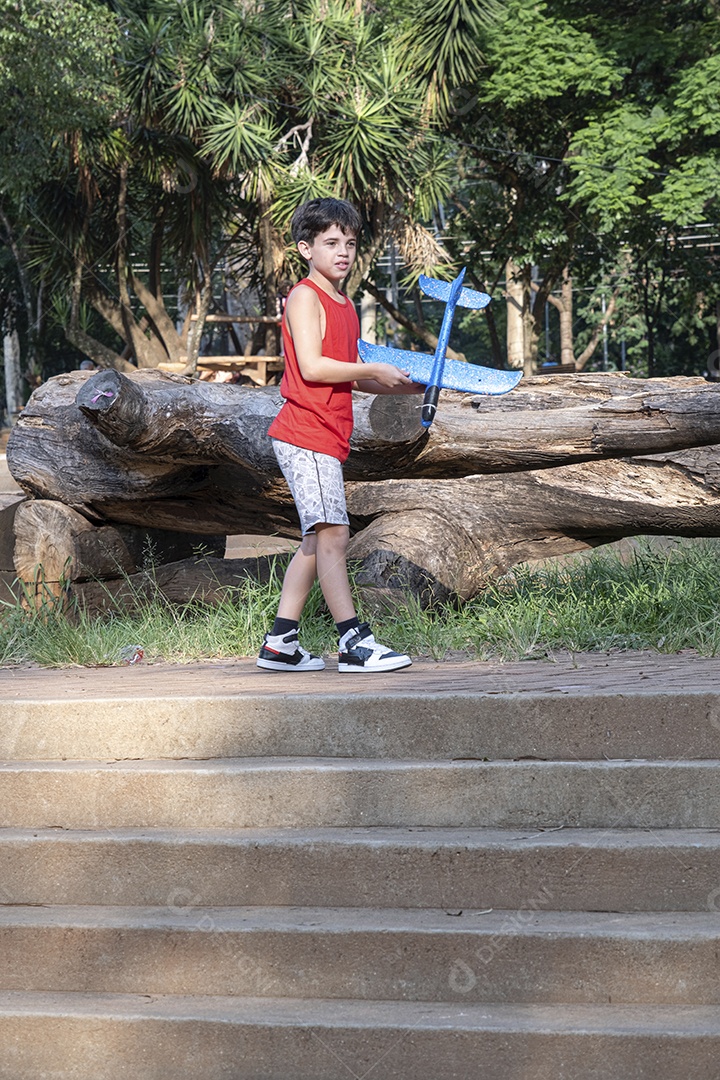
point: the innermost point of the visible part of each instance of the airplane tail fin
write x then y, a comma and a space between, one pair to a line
440, 290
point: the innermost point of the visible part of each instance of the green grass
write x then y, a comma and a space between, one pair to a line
661, 601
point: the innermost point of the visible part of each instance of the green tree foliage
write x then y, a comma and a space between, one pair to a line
654, 146
157, 140
646, 166
585, 142
55, 77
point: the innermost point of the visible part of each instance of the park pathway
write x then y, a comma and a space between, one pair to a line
501, 872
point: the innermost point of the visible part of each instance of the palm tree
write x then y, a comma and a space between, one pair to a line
230, 116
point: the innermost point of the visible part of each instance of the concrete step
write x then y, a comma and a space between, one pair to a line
453, 869
101, 1037
562, 722
276, 792
521, 957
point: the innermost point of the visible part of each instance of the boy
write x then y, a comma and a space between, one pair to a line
311, 436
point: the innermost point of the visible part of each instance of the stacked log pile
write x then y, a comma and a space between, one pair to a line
560, 464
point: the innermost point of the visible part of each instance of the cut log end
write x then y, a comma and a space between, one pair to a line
117, 401
394, 418
418, 552
48, 540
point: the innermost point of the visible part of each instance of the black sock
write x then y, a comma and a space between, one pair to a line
283, 626
348, 624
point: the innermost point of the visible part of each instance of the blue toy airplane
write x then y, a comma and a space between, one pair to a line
435, 372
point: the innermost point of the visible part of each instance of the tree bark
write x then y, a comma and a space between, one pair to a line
562, 462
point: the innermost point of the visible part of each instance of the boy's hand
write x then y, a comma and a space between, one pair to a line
387, 379
389, 376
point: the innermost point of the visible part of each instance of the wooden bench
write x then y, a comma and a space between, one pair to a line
259, 369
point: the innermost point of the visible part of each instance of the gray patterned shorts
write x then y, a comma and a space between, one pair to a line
316, 484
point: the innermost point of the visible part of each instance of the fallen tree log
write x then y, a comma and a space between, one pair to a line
561, 463
439, 538
161, 451
9, 505
55, 545
205, 579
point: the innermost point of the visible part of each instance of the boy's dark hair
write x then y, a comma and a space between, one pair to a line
314, 217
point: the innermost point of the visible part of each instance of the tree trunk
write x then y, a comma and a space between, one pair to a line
32, 365
564, 306
13, 374
515, 326
589, 349
530, 330
269, 243
567, 347
142, 348
498, 360
163, 325
97, 352
560, 463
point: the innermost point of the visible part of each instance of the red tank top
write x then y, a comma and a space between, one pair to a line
318, 416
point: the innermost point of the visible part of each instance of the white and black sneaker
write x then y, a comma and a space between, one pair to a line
283, 652
359, 651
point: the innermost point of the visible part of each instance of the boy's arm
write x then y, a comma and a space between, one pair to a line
372, 386
303, 315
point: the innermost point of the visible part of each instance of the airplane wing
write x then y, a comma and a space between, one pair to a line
467, 378
440, 290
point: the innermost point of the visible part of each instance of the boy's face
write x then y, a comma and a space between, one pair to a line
331, 253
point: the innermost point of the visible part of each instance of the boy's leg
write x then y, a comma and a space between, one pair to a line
299, 579
281, 650
316, 483
332, 543
358, 649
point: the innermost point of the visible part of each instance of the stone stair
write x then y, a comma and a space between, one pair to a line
388, 883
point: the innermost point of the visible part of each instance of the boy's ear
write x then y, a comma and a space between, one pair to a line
305, 250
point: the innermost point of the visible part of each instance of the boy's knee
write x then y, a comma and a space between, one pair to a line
336, 537
308, 545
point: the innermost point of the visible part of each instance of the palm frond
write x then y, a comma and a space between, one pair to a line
421, 252
238, 137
